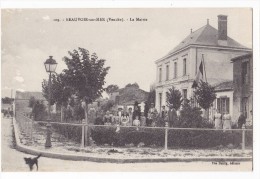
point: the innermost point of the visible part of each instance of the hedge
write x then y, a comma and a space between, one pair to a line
156, 137
176, 138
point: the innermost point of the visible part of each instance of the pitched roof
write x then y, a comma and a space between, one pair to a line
224, 86
206, 35
128, 95
248, 55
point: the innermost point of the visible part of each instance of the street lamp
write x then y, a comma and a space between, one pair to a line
50, 67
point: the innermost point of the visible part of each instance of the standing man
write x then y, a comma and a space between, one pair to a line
241, 120
163, 113
172, 115
130, 113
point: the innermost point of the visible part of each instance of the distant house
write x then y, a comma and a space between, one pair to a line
179, 67
243, 86
27, 95
22, 100
126, 97
224, 98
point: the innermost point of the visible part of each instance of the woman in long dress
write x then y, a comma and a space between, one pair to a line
218, 120
227, 121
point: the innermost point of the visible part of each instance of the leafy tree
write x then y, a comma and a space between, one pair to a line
111, 88
86, 76
132, 85
7, 100
60, 92
150, 100
174, 97
205, 95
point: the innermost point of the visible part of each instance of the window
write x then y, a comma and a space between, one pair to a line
184, 93
184, 67
160, 74
175, 70
223, 104
244, 72
167, 72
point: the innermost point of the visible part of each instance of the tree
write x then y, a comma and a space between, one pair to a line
60, 92
7, 100
132, 85
86, 76
173, 97
111, 88
205, 95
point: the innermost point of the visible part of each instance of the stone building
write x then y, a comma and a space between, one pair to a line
243, 86
179, 67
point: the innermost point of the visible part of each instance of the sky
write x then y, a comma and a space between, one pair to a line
30, 36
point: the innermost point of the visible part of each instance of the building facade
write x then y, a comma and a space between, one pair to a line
243, 86
224, 99
179, 67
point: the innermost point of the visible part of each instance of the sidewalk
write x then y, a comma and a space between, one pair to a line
72, 151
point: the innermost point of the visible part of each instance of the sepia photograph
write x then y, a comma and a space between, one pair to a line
127, 89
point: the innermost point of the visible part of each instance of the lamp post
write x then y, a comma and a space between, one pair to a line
50, 67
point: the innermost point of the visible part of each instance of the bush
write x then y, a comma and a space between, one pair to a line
38, 111
155, 137
126, 136
107, 105
191, 118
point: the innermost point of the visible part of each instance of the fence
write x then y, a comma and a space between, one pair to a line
33, 132
73, 134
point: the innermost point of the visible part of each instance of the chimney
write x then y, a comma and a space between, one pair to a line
222, 30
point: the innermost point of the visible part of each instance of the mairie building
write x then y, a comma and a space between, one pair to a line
179, 67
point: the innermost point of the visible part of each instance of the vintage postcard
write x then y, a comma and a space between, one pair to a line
127, 89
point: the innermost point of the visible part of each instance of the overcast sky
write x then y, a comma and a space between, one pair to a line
29, 36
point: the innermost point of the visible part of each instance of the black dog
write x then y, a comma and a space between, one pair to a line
31, 161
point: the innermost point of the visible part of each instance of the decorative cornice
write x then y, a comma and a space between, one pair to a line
203, 46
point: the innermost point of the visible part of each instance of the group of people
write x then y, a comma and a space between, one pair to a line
124, 118
134, 117
224, 121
